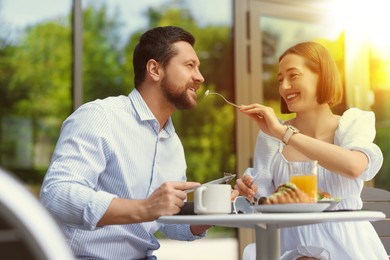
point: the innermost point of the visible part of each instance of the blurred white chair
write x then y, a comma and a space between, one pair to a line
249, 252
27, 230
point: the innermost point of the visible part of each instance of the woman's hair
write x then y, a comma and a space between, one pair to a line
318, 60
156, 44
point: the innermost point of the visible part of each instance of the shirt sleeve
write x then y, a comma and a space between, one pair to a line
265, 150
80, 157
357, 132
180, 232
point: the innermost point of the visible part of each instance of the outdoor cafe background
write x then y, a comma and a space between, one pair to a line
42, 80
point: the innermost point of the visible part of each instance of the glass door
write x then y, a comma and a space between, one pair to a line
263, 31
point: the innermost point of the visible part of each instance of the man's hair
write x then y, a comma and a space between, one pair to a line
320, 61
157, 44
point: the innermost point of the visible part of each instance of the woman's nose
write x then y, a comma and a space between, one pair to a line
285, 84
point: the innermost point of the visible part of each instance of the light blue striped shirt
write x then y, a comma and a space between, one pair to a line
112, 148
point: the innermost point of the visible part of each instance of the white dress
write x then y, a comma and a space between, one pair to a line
342, 240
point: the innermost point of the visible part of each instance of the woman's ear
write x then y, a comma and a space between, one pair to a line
153, 69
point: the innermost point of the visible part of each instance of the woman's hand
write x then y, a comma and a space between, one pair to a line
265, 118
246, 187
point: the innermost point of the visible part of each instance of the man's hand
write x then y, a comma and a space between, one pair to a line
167, 199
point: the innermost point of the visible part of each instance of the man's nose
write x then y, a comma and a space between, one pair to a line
198, 76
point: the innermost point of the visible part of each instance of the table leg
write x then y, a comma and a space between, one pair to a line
267, 242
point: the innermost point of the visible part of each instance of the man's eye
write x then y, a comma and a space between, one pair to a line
293, 76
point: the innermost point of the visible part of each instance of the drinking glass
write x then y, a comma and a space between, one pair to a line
304, 176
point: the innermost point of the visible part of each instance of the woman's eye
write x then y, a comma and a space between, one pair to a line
293, 76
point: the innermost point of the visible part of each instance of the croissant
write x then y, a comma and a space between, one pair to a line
286, 193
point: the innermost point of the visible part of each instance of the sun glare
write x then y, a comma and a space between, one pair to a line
366, 24
369, 18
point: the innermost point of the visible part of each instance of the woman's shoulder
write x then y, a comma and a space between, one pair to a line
354, 112
355, 115
356, 122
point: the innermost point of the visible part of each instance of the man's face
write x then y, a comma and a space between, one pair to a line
182, 77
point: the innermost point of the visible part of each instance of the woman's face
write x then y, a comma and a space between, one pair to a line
297, 84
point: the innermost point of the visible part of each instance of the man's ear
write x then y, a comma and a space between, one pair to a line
153, 69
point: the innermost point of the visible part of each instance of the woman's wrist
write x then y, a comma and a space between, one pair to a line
282, 132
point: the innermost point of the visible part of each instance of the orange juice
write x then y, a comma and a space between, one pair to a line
306, 183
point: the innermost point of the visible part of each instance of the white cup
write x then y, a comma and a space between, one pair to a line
213, 199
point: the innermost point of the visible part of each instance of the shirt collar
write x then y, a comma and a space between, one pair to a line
144, 113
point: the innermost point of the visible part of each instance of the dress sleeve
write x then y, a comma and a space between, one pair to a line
265, 151
357, 132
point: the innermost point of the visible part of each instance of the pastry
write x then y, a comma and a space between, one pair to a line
286, 193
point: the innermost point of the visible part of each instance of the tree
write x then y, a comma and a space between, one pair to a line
102, 54
42, 64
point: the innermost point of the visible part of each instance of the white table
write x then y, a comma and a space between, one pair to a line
267, 225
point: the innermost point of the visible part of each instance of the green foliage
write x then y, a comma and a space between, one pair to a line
102, 65
36, 83
41, 72
207, 134
127, 68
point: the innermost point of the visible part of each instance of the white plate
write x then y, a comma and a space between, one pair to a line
333, 203
292, 207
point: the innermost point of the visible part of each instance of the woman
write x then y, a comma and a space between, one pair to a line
309, 84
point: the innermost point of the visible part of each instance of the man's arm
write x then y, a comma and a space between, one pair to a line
166, 200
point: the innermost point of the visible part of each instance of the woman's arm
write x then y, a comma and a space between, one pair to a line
334, 158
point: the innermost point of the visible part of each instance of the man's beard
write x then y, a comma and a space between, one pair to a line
181, 100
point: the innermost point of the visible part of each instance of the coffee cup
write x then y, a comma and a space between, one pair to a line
213, 199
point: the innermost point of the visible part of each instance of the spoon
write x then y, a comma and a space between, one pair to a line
208, 92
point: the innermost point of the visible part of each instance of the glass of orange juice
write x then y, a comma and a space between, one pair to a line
304, 176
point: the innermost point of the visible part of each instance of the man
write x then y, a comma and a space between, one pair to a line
119, 165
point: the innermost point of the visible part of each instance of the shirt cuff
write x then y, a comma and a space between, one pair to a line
96, 208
